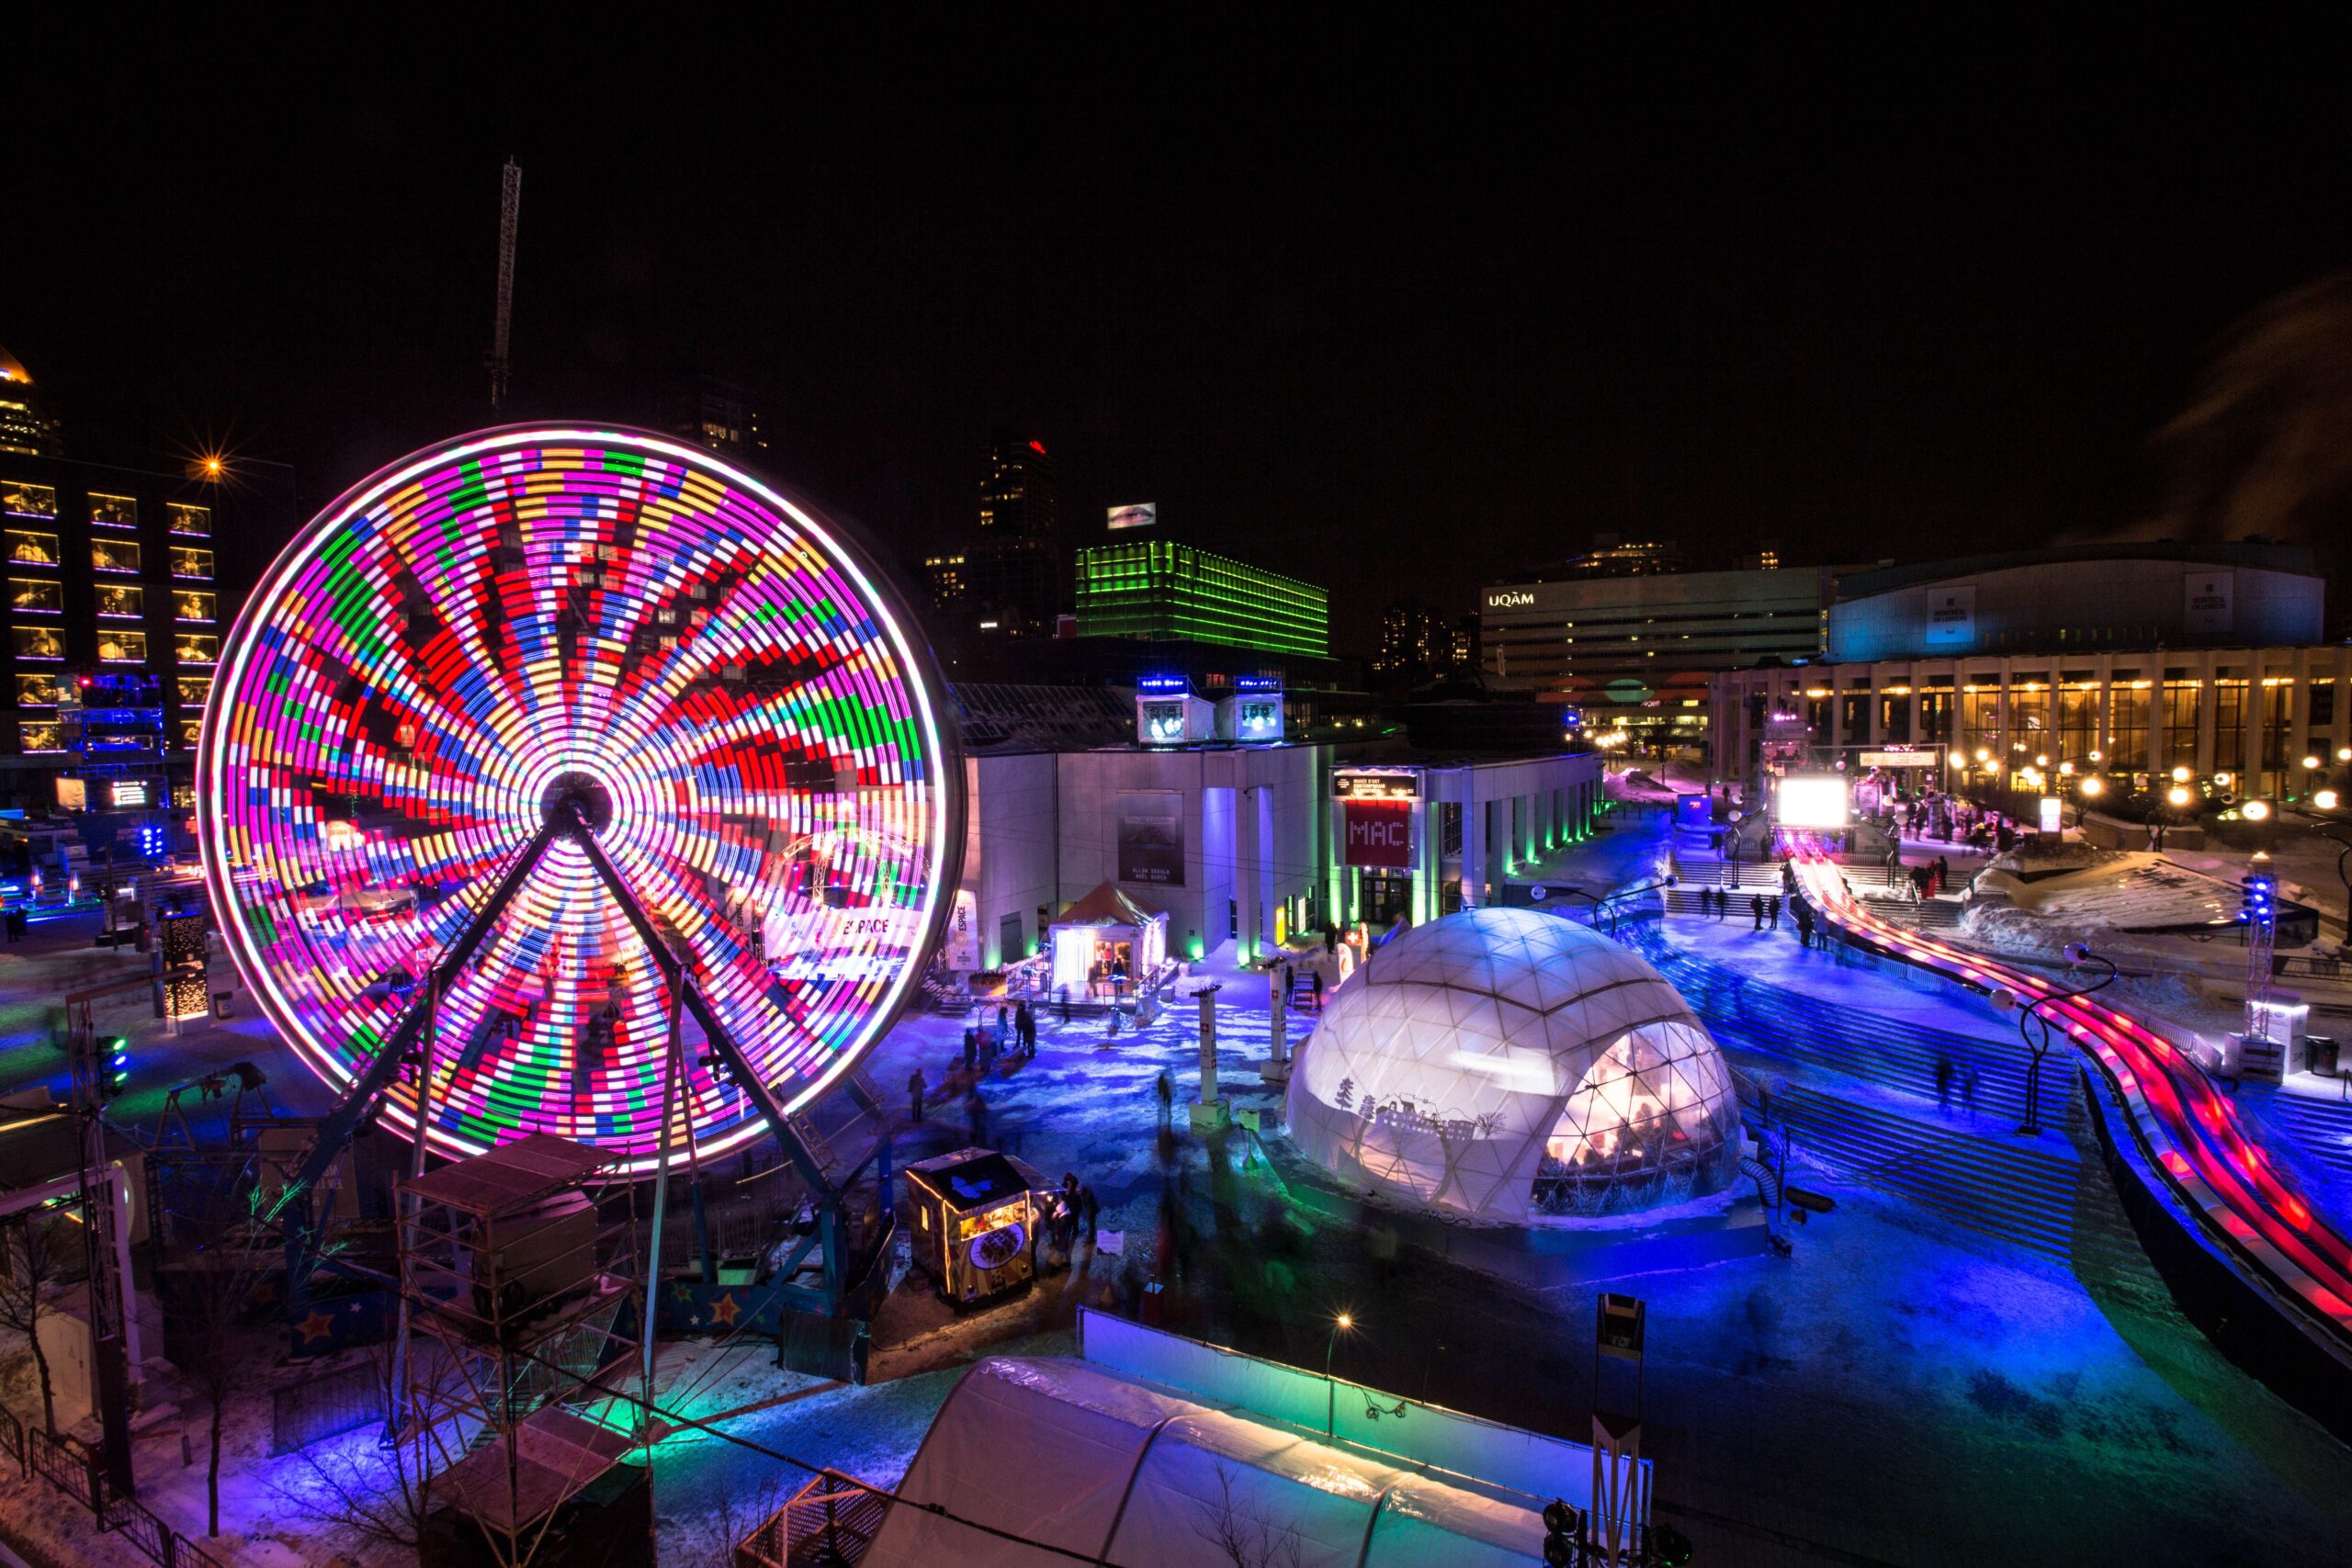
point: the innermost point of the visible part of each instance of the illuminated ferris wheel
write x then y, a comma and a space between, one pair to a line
576, 725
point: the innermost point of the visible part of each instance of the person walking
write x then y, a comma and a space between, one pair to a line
1166, 1090
914, 1094
1943, 1082
975, 1113
1772, 911
1089, 1208
1319, 989
1803, 913
971, 1049
1755, 907
1968, 1088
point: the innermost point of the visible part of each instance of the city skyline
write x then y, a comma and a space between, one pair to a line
1857, 330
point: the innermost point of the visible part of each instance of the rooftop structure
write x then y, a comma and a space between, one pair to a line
1161, 591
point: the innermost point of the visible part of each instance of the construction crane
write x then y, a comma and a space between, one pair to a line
510, 207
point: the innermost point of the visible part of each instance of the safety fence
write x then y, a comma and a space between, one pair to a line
302, 1413
831, 1520
77, 1470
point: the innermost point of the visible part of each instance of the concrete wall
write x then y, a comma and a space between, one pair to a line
1009, 854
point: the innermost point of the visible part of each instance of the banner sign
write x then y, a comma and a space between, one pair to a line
1952, 618
1376, 784
1898, 759
1151, 837
1376, 833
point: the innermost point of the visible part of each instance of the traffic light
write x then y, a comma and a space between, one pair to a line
114, 1066
1563, 1534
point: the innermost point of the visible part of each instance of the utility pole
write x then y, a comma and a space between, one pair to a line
510, 208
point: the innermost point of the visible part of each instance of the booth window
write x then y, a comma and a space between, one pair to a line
37, 691
190, 605
20, 500
37, 642
125, 601
27, 547
114, 511
118, 646
193, 689
114, 554
37, 596
189, 562
189, 518
195, 647
40, 736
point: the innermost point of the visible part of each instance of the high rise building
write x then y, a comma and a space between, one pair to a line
1016, 492
1416, 642
1164, 591
719, 416
1004, 579
26, 428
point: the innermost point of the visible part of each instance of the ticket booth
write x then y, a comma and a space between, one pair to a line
975, 1215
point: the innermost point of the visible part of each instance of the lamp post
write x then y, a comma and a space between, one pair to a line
1343, 1324
2034, 1030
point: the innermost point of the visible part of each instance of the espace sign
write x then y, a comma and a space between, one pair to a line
1376, 833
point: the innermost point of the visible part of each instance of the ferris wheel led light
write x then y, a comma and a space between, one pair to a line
526, 622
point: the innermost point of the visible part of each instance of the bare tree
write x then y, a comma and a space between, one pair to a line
736, 1515
1245, 1531
224, 1254
375, 1490
29, 1263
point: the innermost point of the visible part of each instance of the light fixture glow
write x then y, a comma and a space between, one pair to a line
2255, 810
2093, 786
2325, 800
2177, 795
535, 603
2180, 775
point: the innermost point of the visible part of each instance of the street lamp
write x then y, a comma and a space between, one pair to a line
2180, 775
2255, 810
2034, 1028
2178, 796
1343, 1324
2091, 785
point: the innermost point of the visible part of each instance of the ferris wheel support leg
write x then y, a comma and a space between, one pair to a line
293, 1209
827, 1193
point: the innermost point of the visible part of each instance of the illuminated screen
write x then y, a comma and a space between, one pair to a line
1811, 802
481, 627
1135, 514
2053, 819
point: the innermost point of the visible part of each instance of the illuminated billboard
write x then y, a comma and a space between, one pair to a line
1136, 514
1812, 801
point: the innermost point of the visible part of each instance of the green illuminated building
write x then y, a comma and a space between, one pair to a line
1163, 591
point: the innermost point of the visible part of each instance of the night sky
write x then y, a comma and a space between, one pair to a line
1395, 326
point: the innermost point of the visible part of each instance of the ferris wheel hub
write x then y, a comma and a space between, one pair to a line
577, 798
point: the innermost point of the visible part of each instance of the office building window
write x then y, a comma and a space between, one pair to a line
189, 519
1895, 718
2229, 726
41, 735
2277, 697
2128, 704
1935, 717
28, 546
2321, 705
114, 554
114, 511
1980, 719
187, 561
195, 647
122, 601
2077, 721
193, 604
2181, 696
21, 500
37, 642
38, 596
38, 689
119, 645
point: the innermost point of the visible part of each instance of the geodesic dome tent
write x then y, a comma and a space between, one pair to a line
1504, 1064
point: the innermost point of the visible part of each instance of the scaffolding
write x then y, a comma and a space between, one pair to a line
520, 1272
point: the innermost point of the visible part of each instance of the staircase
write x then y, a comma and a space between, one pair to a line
2021, 1192
1778, 1028
2322, 1129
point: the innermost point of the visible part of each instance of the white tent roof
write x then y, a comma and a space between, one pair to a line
1438, 1072
1096, 1463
